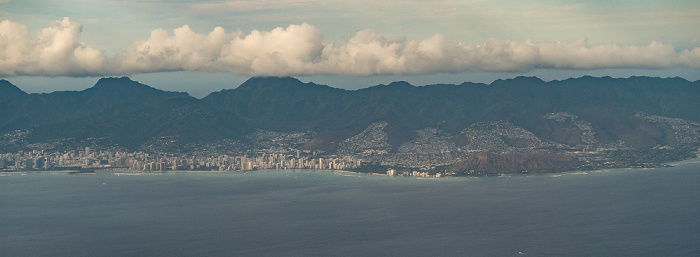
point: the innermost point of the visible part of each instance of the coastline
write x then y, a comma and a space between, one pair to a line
695, 159
127, 171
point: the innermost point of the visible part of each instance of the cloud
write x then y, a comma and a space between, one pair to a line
55, 52
503, 55
301, 50
282, 51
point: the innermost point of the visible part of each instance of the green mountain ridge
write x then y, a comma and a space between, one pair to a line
29, 110
601, 110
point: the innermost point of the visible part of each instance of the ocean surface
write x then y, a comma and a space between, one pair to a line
621, 212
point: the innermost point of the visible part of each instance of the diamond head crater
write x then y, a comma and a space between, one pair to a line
522, 125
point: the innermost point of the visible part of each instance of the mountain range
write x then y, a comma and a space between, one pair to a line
635, 113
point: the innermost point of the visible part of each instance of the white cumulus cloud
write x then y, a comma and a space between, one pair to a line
278, 52
301, 50
56, 51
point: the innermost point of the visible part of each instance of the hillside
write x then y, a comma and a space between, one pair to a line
395, 124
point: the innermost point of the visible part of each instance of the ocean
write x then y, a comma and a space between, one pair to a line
620, 212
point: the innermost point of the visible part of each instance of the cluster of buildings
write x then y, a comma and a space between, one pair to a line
393, 172
428, 151
140, 161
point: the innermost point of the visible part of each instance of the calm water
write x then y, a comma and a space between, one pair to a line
629, 212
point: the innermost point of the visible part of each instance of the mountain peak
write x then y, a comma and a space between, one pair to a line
528, 78
6, 85
127, 86
400, 84
392, 86
255, 83
273, 80
8, 90
520, 80
114, 82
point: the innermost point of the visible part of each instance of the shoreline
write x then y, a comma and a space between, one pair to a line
127, 171
695, 159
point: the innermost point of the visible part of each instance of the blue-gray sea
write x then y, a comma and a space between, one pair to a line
621, 212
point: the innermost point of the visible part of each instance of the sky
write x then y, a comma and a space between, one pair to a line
205, 46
